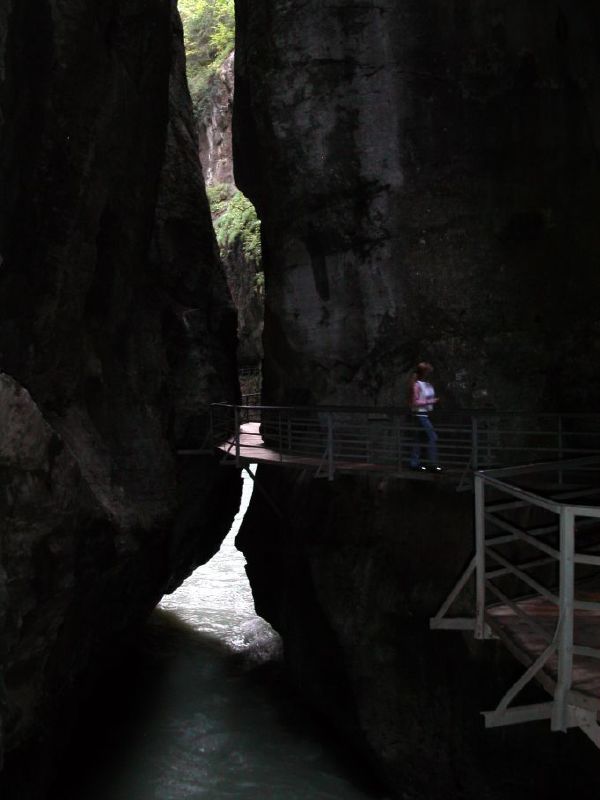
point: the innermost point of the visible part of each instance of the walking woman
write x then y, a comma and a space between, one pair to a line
422, 400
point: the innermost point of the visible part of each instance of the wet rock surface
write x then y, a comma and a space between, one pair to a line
215, 150
427, 180
116, 330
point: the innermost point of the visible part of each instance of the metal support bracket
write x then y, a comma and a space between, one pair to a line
517, 714
440, 621
576, 717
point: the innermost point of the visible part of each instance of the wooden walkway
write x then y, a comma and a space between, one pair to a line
333, 439
526, 645
253, 450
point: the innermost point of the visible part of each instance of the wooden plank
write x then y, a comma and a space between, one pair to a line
254, 450
526, 645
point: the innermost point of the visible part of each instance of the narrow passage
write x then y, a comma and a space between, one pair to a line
211, 715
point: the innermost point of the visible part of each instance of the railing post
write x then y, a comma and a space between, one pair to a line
474, 444
480, 626
397, 426
330, 466
565, 620
211, 427
280, 432
236, 423
560, 437
560, 447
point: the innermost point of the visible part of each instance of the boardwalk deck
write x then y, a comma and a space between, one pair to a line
252, 449
334, 439
526, 645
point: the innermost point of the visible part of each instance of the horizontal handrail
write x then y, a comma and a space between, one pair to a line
523, 576
397, 410
519, 534
388, 437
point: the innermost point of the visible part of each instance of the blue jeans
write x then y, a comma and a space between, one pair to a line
424, 426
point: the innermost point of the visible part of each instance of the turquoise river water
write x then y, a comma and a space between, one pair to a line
210, 715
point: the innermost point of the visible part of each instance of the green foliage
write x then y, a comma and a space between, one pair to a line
209, 36
259, 283
235, 222
219, 195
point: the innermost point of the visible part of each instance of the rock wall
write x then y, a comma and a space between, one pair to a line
427, 176
216, 156
242, 274
215, 150
116, 329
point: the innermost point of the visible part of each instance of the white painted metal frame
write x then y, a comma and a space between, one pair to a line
567, 708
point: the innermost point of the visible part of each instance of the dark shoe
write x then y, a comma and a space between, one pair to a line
436, 469
419, 468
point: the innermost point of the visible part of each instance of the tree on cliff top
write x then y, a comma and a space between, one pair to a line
209, 35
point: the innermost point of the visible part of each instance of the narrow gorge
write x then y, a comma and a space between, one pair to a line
427, 179
117, 330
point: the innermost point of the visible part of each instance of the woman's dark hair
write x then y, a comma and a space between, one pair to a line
422, 370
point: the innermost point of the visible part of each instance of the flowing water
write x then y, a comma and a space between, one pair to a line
210, 715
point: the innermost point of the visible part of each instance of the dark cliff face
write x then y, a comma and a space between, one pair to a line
242, 272
427, 177
116, 329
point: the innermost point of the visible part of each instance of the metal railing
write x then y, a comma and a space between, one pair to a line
251, 399
537, 586
250, 384
342, 437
